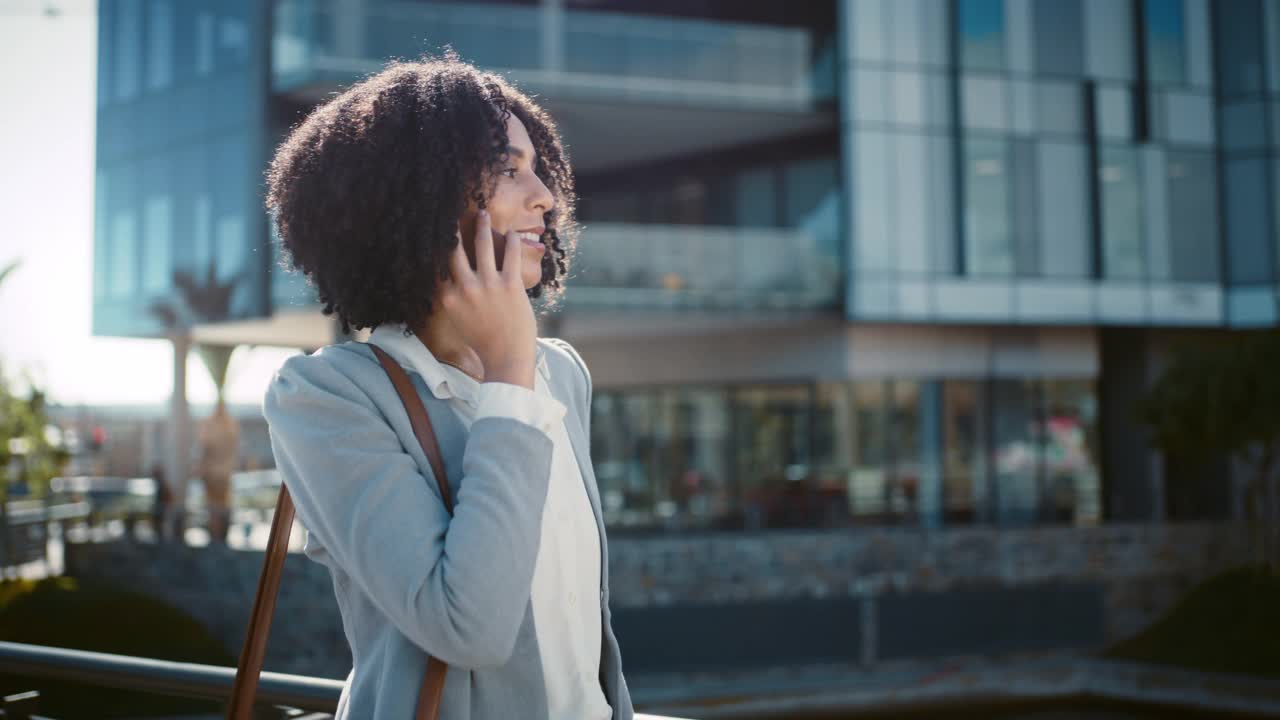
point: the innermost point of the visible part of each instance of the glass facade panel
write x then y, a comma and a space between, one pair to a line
869, 30
160, 41
943, 224
1243, 126
984, 102
1060, 108
1108, 33
1122, 257
755, 193
772, 428
1113, 106
871, 199
1193, 217
1016, 450
964, 470
1071, 454
981, 29
1249, 257
1271, 21
906, 31
1059, 37
1239, 62
1065, 217
157, 226
1024, 199
869, 487
988, 238
128, 49
908, 470
911, 203
1166, 42
871, 99
840, 453
1188, 118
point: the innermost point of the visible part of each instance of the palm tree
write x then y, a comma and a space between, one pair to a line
194, 300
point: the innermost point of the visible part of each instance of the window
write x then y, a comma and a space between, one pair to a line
868, 482
1065, 227
1016, 450
963, 454
1166, 42
1193, 216
1122, 257
1071, 487
981, 29
988, 246
1108, 34
772, 465
1247, 231
1239, 61
1059, 36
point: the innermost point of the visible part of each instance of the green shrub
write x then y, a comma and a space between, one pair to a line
1228, 623
64, 612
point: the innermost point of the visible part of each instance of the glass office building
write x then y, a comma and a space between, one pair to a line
843, 263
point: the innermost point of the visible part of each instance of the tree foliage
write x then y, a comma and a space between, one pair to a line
1224, 397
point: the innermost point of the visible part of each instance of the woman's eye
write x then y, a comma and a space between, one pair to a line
510, 172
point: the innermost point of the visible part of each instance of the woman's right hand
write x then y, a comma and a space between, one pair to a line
490, 308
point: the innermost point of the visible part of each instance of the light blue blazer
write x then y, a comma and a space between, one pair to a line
409, 579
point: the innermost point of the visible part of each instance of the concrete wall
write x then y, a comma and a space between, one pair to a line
769, 598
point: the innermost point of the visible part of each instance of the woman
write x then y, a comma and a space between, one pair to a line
430, 202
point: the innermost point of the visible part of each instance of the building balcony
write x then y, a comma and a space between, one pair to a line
666, 86
589, 52
669, 267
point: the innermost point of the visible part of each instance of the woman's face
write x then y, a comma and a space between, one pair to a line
518, 202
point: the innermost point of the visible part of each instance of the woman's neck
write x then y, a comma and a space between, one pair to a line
444, 341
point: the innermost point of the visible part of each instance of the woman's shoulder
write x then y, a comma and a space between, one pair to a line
343, 371
560, 354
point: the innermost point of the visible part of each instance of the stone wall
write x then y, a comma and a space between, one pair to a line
1139, 570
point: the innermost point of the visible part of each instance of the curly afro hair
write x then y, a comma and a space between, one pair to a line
367, 191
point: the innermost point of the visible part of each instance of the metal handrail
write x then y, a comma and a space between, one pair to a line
165, 677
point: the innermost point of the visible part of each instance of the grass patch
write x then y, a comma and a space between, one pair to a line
64, 612
1228, 623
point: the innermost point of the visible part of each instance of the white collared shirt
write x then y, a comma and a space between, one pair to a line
566, 576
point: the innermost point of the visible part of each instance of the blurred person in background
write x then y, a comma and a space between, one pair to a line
431, 203
219, 450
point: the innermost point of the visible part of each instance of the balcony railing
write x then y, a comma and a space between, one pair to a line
291, 694
323, 43
700, 267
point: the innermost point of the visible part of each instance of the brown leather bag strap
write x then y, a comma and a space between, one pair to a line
418, 418
264, 604
250, 666
433, 679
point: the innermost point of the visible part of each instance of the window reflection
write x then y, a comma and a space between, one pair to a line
772, 427
1166, 32
1071, 494
963, 457
981, 29
988, 248
1121, 213
1016, 451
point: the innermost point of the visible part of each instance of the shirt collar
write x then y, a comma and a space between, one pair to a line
444, 381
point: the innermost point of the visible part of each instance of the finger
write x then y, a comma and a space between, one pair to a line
484, 246
459, 265
512, 257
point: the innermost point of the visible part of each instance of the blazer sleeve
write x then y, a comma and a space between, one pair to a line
457, 587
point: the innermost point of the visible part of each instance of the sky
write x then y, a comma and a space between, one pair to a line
47, 82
